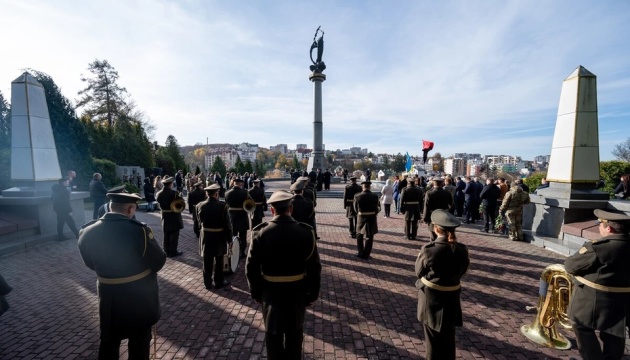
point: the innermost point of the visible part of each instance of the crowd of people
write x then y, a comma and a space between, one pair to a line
281, 257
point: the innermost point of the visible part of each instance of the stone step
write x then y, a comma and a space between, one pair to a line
560, 246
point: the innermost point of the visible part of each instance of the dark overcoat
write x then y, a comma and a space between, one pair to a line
171, 221
258, 195
436, 198
215, 227
367, 206
443, 264
116, 247
283, 247
235, 198
303, 210
348, 199
411, 202
603, 262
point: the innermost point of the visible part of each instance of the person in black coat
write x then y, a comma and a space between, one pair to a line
97, 193
283, 272
471, 201
320, 179
348, 203
489, 196
601, 289
196, 196
367, 206
411, 204
440, 266
235, 198
436, 198
459, 196
303, 209
172, 222
126, 258
63, 209
149, 194
327, 177
216, 233
257, 193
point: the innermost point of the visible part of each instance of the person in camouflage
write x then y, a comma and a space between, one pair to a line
512, 207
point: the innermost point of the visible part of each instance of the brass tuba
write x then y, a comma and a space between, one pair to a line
555, 293
178, 205
249, 205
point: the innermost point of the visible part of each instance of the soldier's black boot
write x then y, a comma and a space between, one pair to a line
368, 248
360, 245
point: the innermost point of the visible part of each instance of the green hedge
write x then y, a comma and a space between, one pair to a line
107, 169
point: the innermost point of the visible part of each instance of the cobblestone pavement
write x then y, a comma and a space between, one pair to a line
367, 309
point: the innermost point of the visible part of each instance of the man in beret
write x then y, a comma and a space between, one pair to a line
126, 259
303, 209
601, 288
283, 272
171, 221
348, 202
439, 267
257, 193
214, 220
411, 202
436, 198
367, 207
235, 198
196, 196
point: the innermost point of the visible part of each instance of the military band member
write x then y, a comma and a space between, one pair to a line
367, 207
439, 267
216, 234
283, 272
196, 196
310, 193
235, 198
126, 259
257, 193
171, 221
411, 202
348, 202
303, 209
601, 288
436, 198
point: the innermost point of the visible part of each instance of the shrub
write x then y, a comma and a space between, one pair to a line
107, 169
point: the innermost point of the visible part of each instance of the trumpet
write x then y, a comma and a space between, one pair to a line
178, 205
249, 205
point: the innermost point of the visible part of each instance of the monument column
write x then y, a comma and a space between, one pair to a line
317, 77
318, 152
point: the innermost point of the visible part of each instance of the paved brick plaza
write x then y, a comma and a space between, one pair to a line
367, 309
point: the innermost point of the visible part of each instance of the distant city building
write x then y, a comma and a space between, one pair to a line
542, 160
355, 150
467, 156
455, 167
282, 148
300, 146
230, 153
346, 152
303, 153
501, 159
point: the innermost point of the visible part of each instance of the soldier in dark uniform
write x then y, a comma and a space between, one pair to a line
303, 209
126, 258
283, 272
327, 178
348, 202
235, 198
310, 193
367, 206
195, 197
258, 195
601, 288
436, 198
411, 203
171, 221
216, 234
439, 267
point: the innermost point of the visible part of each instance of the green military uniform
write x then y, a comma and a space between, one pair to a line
171, 221
283, 272
311, 194
439, 267
126, 258
303, 209
512, 206
411, 204
216, 233
258, 195
235, 198
195, 197
601, 291
436, 198
348, 202
367, 206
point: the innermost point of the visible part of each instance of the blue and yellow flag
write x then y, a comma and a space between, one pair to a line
409, 163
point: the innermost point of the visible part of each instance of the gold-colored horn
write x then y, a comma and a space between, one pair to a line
249, 205
553, 303
178, 205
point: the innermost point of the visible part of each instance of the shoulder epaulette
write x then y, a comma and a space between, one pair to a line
260, 226
138, 222
89, 223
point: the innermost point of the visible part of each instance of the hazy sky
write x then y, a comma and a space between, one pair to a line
472, 76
